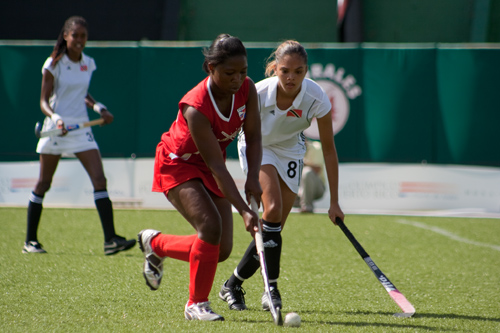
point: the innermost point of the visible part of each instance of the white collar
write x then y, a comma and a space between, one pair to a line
67, 61
273, 89
223, 117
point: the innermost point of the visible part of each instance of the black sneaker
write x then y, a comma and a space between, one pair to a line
33, 247
276, 297
117, 244
235, 297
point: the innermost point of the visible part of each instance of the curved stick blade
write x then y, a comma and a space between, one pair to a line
38, 129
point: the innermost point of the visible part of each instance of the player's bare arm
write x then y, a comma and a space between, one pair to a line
104, 112
331, 164
208, 146
253, 138
47, 87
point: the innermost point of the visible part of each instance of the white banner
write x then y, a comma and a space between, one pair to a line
362, 187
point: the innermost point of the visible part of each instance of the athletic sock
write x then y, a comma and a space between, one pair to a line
203, 261
173, 246
247, 267
33, 219
105, 210
271, 234
249, 264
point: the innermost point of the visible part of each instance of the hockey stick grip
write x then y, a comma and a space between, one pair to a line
69, 128
351, 238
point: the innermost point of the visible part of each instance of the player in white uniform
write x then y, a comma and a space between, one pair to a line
288, 103
64, 99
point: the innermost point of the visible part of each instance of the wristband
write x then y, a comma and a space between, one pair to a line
55, 118
98, 107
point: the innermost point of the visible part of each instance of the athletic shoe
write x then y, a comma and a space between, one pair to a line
276, 297
33, 247
153, 264
201, 311
117, 244
235, 297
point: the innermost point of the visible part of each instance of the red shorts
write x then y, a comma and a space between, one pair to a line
169, 173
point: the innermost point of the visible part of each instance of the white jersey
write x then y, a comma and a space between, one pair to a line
71, 84
282, 129
283, 143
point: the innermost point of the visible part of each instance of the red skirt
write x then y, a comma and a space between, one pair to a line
169, 173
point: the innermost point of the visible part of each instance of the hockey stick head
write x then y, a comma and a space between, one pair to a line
38, 129
277, 317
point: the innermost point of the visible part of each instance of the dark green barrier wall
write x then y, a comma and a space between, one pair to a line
407, 104
259, 20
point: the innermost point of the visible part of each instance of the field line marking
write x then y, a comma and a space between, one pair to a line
448, 234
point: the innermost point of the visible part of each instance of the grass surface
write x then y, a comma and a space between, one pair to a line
449, 268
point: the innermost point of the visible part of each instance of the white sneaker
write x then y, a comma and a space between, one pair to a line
153, 264
33, 247
201, 311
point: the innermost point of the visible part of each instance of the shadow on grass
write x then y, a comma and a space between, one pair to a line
431, 315
366, 324
405, 323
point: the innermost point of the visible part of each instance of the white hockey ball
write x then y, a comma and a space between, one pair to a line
292, 319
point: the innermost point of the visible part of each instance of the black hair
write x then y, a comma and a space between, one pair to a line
60, 48
223, 47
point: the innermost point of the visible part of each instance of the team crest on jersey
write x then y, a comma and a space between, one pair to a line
294, 113
242, 112
83, 68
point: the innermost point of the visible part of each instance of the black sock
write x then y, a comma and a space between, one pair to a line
105, 210
34, 213
271, 235
247, 266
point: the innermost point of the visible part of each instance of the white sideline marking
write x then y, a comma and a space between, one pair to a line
448, 234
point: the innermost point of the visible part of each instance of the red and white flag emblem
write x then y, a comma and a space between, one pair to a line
294, 113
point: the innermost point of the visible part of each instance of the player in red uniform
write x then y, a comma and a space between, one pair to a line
190, 169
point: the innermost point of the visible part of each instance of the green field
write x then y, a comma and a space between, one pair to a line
449, 268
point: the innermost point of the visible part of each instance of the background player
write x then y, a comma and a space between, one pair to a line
288, 102
64, 98
312, 183
190, 170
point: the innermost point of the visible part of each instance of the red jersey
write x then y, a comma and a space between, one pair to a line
177, 157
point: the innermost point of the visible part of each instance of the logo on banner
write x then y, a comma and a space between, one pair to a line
340, 89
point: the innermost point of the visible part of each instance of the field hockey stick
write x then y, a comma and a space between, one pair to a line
59, 131
259, 244
396, 295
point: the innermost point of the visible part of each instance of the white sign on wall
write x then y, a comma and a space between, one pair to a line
362, 187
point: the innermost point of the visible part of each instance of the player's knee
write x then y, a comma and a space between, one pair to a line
42, 187
273, 211
224, 253
99, 182
210, 232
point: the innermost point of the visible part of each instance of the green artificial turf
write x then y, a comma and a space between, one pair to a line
448, 268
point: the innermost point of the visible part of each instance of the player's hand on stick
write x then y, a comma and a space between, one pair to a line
253, 189
107, 116
251, 220
335, 212
59, 122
